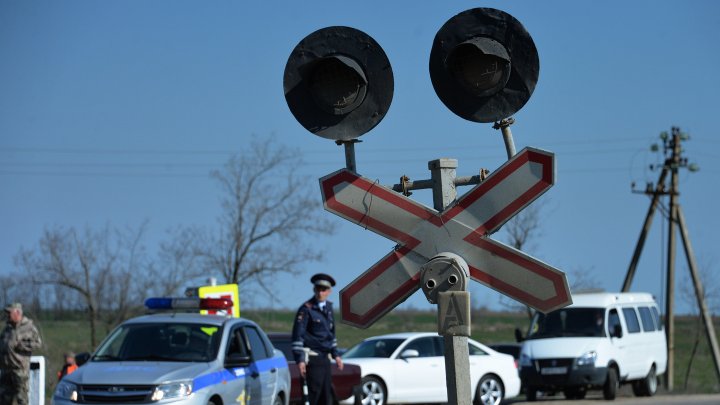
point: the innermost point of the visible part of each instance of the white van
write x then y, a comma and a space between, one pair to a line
600, 341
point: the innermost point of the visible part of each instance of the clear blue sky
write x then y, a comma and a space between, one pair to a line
116, 111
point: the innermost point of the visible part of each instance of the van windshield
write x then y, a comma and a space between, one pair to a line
161, 342
568, 322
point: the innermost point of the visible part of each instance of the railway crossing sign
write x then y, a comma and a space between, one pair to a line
462, 228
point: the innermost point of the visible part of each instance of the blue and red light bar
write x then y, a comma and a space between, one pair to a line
189, 303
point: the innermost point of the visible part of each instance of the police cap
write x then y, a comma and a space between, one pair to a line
322, 280
13, 306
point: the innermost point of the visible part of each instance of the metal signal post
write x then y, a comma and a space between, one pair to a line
484, 66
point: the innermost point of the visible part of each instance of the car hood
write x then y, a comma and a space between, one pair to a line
361, 361
135, 372
559, 347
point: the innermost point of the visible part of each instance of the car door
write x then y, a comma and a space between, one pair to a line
262, 364
242, 383
619, 341
421, 378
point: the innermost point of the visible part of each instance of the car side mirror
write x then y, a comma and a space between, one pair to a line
409, 353
518, 335
82, 358
237, 360
616, 332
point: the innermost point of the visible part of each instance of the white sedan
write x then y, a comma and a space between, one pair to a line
410, 368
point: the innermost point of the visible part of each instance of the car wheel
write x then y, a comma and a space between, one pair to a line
646, 387
489, 391
531, 393
611, 384
373, 391
575, 392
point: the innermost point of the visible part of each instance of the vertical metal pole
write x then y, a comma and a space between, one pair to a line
457, 357
670, 287
643, 234
350, 155
509, 143
504, 126
699, 293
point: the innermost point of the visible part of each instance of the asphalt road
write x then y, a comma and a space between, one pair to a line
596, 398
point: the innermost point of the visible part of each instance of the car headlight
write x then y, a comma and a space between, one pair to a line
178, 389
525, 360
587, 359
66, 390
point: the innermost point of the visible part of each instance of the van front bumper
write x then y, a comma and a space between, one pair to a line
543, 377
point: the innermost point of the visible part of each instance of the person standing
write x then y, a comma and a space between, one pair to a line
69, 366
314, 342
18, 340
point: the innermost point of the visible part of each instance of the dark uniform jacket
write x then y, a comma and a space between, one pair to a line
314, 329
16, 345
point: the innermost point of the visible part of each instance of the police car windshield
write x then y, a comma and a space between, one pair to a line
568, 322
187, 342
381, 348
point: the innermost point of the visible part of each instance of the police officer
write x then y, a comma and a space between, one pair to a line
314, 342
18, 340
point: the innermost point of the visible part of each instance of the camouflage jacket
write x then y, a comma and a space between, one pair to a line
16, 345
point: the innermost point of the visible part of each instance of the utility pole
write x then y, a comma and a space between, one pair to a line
676, 219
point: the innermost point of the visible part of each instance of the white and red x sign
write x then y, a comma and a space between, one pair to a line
421, 232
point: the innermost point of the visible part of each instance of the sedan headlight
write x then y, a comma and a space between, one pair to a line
178, 389
587, 359
66, 390
525, 360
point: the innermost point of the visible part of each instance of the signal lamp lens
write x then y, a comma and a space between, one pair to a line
337, 84
481, 66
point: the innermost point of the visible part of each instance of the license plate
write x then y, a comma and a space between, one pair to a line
553, 370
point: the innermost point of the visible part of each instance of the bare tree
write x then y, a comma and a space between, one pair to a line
180, 260
521, 230
269, 216
89, 263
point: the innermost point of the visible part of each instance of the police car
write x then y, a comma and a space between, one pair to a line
183, 359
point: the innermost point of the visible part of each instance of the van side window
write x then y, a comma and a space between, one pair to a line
656, 316
646, 318
613, 319
631, 320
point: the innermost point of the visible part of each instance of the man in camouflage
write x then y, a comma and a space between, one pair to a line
18, 340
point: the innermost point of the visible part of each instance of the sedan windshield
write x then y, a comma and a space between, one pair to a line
381, 348
568, 322
161, 342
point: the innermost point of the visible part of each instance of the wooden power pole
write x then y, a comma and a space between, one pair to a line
673, 162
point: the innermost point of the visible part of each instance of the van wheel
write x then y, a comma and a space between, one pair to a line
646, 387
575, 392
531, 393
611, 384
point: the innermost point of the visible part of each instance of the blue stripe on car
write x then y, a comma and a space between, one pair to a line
232, 374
